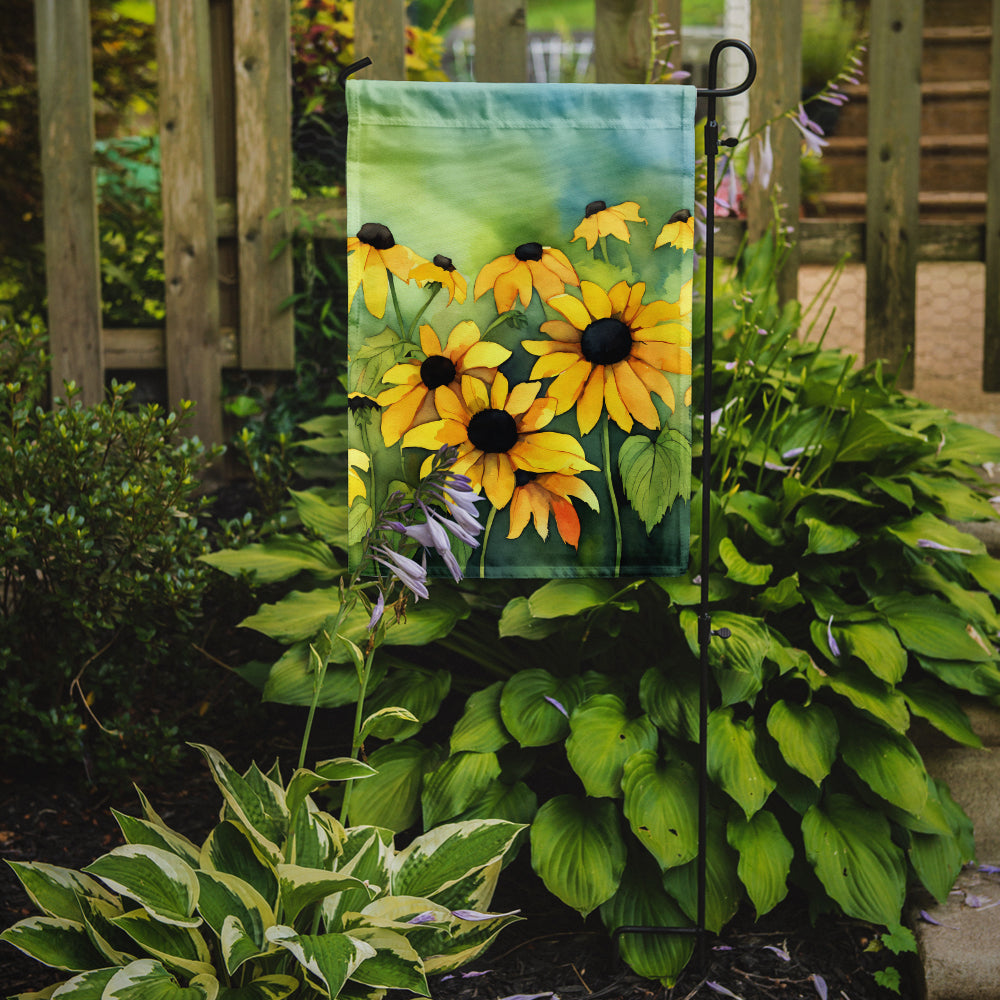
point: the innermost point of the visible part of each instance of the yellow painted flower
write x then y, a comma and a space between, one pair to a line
530, 266
611, 351
441, 270
371, 255
599, 220
678, 232
410, 401
356, 459
498, 430
536, 495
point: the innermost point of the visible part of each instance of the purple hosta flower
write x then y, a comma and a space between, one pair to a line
531, 996
465, 975
431, 535
820, 983
928, 543
411, 574
780, 952
927, 918
834, 648
728, 194
427, 917
760, 165
990, 869
558, 705
475, 915
812, 134
377, 611
719, 988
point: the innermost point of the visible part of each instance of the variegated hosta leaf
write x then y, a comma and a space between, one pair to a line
807, 736
149, 980
367, 854
395, 964
602, 737
467, 940
225, 897
301, 887
456, 784
141, 831
765, 858
230, 849
256, 801
116, 947
177, 947
481, 727
732, 760
661, 800
850, 847
304, 782
56, 891
535, 706
273, 987
54, 941
158, 880
86, 986
329, 959
441, 857
642, 902
578, 851
315, 838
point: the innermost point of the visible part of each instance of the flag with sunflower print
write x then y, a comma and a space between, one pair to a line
520, 263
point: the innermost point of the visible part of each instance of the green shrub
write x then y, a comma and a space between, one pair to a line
99, 542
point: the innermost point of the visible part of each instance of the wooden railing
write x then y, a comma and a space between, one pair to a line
226, 162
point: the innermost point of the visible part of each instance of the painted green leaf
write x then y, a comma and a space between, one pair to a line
888, 763
163, 884
360, 519
391, 798
932, 628
279, 558
577, 850
330, 958
54, 941
738, 569
732, 760
456, 784
850, 848
373, 359
655, 473
395, 964
602, 737
179, 948
481, 727
807, 736
671, 699
327, 520
827, 539
55, 890
147, 979
661, 800
641, 901
765, 858
559, 598
535, 706
939, 706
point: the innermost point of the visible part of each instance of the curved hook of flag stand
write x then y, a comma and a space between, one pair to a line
705, 630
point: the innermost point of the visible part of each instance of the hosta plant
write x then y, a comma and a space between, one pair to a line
279, 900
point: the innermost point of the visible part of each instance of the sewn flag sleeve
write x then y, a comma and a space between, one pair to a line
520, 263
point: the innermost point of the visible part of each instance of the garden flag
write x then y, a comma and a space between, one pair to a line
520, 264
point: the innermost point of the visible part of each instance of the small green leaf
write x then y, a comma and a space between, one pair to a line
535, 706
481, 727
807, 736
765, 858
738, 569
655, 473
660, 805
828, 539
732, 760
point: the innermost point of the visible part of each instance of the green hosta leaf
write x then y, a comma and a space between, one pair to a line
986, 572
876, 646
671, 699
292, 681
274, 987
641, 901
330, 959
456, 784
301, 887
395, 964
965, 443
516, 803
937, 859
54, 941
230, 849
931, 628
391, 798
147, 979
417, 690
828, 539
864, 691
163, 884
56, 891
685, 592
765, 858
530, 706
602, 738
141, 831
225, 897
438, 859
893, 488
559, 598
928, 528
738, 661
723, 889
180, 948
975, 605
327, 520
517, 620
661, 798
481, 728
385, 723
738, 569
578, 851
888, 763
279, 558
870, 435
976, 678
956, 500
941, 709
732, 760
467, 940
807, 736
850, 847
655, 473
783, 595
760, 512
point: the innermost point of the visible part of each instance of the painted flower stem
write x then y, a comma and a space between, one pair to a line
416, 319
485, 541
395, 304
606, 447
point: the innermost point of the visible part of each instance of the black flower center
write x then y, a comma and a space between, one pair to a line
358, 403
529, 251
443, 262
493, 431
522, 477
437, 370
593, 208
376, 235
606, 341
681, 215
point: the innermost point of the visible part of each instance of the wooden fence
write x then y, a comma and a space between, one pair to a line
226, 162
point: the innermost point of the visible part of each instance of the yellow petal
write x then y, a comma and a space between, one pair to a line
572, 309
398, 418
591, 401
515, 284
559, 330
614, 225
461, 339
634, 395
400, 260
407, 373
617, 410
431, 435
665, 357
498, 479
430, 342
588, 230
567, 522
558, 263
476, 394
538, 415
497, 394
375, 285
554, 364
629, 210
547, 281
450, 405
566, 388
596, 300
520, 511
654, 381
491, 271
484, 355
521, 397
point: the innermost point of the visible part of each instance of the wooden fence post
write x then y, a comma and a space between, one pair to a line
622, 37
262, 61
991, 333
190, 251
892, 214
776, 34
72, 256
380, 34
501, 41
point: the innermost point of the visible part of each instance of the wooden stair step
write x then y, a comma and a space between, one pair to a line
953, 204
